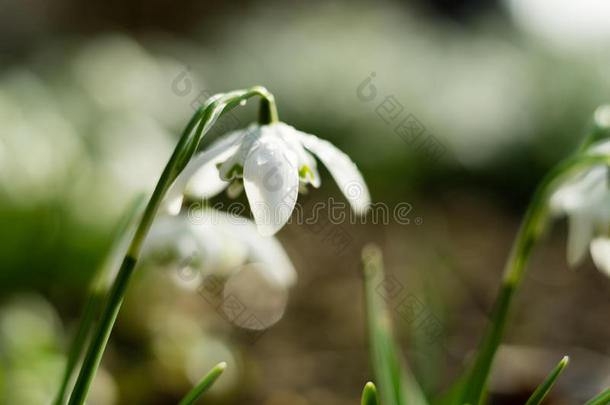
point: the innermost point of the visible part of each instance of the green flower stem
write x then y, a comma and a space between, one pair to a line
76, 349
204, 384
218, 106
544, 388
200, 123
96, 294
268, 111
528, 236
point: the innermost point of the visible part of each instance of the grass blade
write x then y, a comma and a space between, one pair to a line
203, 386
544, 388
96, 295
396, 384
78, 344
369, 395
601, 399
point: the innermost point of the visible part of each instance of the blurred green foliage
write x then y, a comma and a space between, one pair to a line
87, 123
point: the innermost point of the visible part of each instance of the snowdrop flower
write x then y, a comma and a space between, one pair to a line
213, 242
273, 162
585, 199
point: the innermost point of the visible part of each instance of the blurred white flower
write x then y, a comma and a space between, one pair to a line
121, 76
576, 25
274, 161
40, 148
585, 199
213, 242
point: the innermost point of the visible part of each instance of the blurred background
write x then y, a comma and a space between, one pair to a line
456, 108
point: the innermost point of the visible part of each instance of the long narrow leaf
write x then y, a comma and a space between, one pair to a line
203, 386
396, 384
78, 344
544, 388
96, 294
369, 395
601, 399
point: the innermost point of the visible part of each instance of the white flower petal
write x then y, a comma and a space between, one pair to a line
173, 234
580, 233
232, 167
584, 190
343, 170
266, 251
206, 182
271, 180
600, 148
219, 243
600, 252
306, 163
173, 204
197, 175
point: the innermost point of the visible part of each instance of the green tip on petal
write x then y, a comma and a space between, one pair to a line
236, 171
305, 172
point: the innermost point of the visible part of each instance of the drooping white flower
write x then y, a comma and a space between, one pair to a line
274, 161
585, 199
211, 242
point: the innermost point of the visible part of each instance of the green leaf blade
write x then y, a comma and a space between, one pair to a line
397, 386
369, 394
544, 388
204, 384
601, 399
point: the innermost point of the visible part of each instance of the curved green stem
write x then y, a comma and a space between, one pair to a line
199, 124
528, 236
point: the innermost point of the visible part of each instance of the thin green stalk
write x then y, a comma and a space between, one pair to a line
544, 388
397, 386
203, 386
96, 292
532, 227
601, 399
76, 349
199, 124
